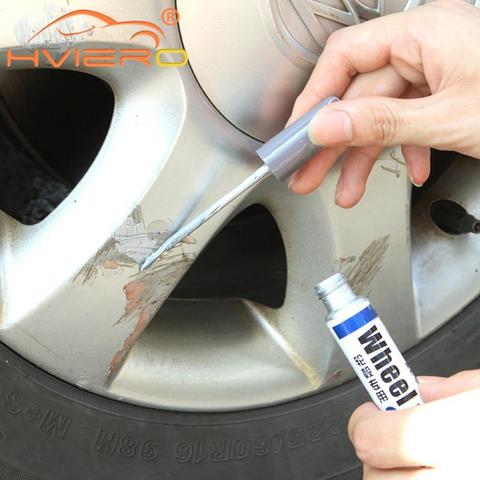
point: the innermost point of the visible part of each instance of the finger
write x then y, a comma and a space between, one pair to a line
371, 473
356, 168
311, 175
418, 163
417, 437
364, 411
417, 158
423, 379
386, 121
458, 383
340, 63
383, 82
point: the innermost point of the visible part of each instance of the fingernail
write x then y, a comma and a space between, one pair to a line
293, 179
418, 185
410, 175
426, 379
330, 128
339, 191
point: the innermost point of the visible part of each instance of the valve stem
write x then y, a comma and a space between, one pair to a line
452, 218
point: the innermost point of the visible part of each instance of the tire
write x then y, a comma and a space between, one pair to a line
51, 430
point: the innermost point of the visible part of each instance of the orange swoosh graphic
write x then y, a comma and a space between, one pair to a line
109, 22
147, 33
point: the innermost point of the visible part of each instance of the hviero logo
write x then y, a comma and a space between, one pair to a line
379, 353
77, 25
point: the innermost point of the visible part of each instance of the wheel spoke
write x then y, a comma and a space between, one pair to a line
74, 290
198, 341
371, 247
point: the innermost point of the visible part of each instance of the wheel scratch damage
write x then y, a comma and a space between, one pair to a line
360, 271
26, 27
127, 248
395, 159
146, 291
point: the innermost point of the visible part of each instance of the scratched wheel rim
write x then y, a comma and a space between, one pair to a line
73, 300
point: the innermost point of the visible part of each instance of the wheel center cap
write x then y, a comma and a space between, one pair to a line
253, 57
305, 24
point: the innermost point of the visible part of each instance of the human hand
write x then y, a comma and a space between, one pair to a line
410, 79
435, 441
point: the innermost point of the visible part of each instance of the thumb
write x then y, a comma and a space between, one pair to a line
434, 388
380, 121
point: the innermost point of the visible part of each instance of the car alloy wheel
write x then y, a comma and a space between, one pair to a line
74, 302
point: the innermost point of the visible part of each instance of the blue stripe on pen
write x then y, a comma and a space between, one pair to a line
354, 323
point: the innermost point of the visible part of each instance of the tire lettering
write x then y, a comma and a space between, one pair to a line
13, 404
49, 421
55, 424
116, 444
217, 450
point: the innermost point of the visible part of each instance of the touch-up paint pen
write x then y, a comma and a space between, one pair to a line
282, 155
370, 349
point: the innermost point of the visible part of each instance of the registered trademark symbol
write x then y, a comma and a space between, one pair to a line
170, 16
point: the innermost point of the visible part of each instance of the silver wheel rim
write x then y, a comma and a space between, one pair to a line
74, 302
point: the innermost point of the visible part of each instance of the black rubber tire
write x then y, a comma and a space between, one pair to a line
53, 431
